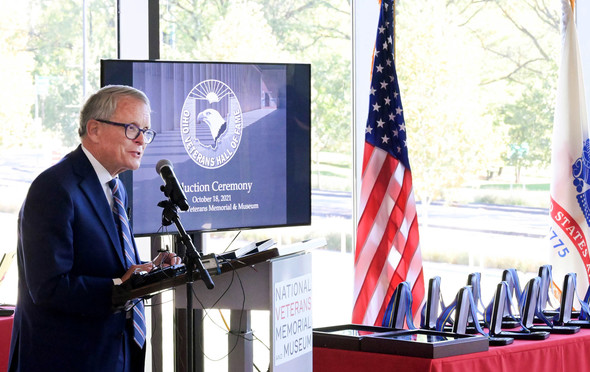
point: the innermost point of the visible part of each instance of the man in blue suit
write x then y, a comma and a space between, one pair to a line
70, 251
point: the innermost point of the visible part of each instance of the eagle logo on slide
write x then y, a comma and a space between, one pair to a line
581, 174
211, 124
216, 124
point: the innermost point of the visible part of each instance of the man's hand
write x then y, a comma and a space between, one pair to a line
166, 258
137, 268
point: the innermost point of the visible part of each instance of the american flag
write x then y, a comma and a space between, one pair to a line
387, 245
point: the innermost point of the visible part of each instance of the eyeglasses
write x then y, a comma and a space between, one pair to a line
132, 131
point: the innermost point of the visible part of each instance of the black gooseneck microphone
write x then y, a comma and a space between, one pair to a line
171, 188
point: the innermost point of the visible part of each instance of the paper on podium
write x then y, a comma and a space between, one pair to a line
250, 248
305, 245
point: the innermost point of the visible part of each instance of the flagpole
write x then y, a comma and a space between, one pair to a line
573, 4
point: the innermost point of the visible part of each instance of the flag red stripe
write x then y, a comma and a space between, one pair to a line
366, 156
418, 295
373, 221
379, 258
374, 200
402, 270
379, 280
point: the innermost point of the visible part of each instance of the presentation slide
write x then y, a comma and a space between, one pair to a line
223, 127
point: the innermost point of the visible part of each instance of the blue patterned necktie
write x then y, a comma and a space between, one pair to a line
123, 222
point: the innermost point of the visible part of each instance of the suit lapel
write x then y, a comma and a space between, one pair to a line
92, 188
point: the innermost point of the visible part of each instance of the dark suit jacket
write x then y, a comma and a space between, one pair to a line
68, 253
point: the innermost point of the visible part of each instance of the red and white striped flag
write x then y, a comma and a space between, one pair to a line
387, 246
570, 163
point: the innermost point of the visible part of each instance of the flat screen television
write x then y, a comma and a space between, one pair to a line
238, 136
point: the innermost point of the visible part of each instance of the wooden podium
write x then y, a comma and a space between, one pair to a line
279, 284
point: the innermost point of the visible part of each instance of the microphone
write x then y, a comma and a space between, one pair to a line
171, 188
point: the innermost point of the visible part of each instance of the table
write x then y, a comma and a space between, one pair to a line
558, 353
5, 334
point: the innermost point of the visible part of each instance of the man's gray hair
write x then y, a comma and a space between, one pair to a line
103, 103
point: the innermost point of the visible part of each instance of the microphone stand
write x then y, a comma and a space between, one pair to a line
193, 260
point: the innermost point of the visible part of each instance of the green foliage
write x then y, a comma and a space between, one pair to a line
520, 38
530, 124
331, 171
450, 137
533, 195
331, 105
505, 186
56, 40
17, 87
451, 258
521, 50
306, 31
475, 77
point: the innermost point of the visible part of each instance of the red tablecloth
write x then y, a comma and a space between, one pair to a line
558, 353
5, 333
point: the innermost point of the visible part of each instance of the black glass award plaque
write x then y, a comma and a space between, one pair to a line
424, 343
345, 337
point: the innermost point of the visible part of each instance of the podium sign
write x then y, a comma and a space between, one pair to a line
291, 324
